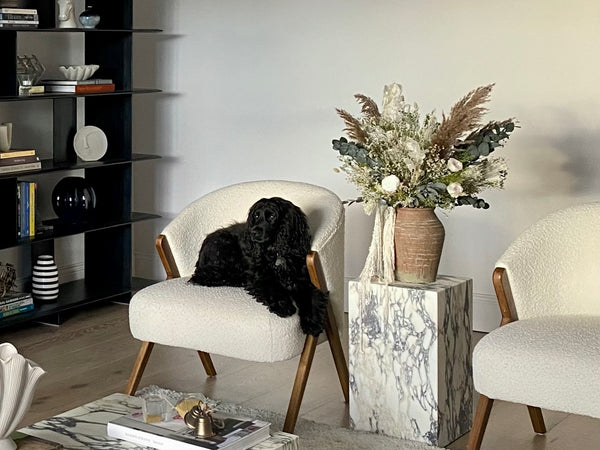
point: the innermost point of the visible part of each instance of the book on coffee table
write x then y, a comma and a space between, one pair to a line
173, 434
85, 427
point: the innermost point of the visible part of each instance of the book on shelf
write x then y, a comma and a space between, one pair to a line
26, 301
19, 22
18, 16
19, 160
77, 82
18, 25
81, 88
19, 310
26, 200
173, 434
13, 297
16, 153
15, 305
18, 11
20, 167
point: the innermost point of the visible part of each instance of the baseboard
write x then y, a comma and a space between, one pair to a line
147, 265
66, 273
486, 313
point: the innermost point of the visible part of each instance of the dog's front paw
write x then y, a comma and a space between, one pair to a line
311, 327
282, 309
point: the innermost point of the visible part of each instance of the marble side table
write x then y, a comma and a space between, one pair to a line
410, 359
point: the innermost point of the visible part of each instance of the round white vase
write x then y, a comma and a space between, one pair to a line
44, 279
18, 379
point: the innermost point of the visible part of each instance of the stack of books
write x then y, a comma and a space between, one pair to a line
15, 303
18, 161
90, 86
19, 18
173, 434
26, 208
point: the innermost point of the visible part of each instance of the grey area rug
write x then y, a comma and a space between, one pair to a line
313, 435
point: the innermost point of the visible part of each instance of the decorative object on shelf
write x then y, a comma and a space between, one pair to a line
44, 279
8, 276
89, 18
29, 72
18, 380
79, 73
5, 136
400, 160
90, 143
66, 16
74, 200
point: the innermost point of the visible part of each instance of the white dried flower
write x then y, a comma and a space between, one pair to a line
390, 183
454, 165
454, 189
393, 102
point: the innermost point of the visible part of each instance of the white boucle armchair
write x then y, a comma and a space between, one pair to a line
226, 320
546, 353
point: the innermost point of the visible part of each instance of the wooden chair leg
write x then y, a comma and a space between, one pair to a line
138, 367
207, 363
484, 406
537, 419
335, 345
306, 359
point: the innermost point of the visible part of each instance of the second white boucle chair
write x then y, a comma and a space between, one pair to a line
546, 354
226, 320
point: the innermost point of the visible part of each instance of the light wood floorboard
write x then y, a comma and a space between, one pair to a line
92, 353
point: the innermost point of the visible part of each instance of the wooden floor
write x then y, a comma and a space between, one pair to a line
92, 353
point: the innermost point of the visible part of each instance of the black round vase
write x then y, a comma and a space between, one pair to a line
74, 200
89, 18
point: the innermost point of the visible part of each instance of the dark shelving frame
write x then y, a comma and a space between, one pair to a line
107, 254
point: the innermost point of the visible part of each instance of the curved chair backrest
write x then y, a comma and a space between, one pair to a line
230, 204
554, 267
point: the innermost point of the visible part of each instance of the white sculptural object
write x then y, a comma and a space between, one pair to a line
18, 379
66, 16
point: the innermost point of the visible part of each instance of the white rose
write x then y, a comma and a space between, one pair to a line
454, 189
454, 165
390, 183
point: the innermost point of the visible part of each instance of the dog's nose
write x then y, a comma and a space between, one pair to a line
258, 234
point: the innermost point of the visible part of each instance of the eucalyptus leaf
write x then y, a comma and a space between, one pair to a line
483, 149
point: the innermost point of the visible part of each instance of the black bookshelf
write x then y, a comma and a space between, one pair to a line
107, 255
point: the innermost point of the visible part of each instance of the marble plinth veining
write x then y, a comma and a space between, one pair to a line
410, 359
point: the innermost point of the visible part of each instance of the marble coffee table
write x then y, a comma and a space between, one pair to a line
84, 428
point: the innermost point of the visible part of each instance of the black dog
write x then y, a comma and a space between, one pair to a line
266, 255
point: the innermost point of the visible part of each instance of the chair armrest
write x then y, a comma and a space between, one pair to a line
315, 270
166, 257
504, 295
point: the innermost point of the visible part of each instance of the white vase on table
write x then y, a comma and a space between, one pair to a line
18, 379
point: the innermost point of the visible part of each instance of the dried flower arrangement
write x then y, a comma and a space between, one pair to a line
397, 159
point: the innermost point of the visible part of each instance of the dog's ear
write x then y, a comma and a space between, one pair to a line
294, 234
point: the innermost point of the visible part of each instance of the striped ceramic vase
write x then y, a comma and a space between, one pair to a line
44, 279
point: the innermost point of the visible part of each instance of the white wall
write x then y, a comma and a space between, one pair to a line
251, 87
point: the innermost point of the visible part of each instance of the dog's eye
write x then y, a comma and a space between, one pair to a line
271, 217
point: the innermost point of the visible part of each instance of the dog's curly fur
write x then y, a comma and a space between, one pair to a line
266, 255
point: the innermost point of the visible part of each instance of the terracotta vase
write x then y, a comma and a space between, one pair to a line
418, 242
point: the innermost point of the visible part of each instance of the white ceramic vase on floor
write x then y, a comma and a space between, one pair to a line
18, 379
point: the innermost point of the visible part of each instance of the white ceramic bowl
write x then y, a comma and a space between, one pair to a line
79, 73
